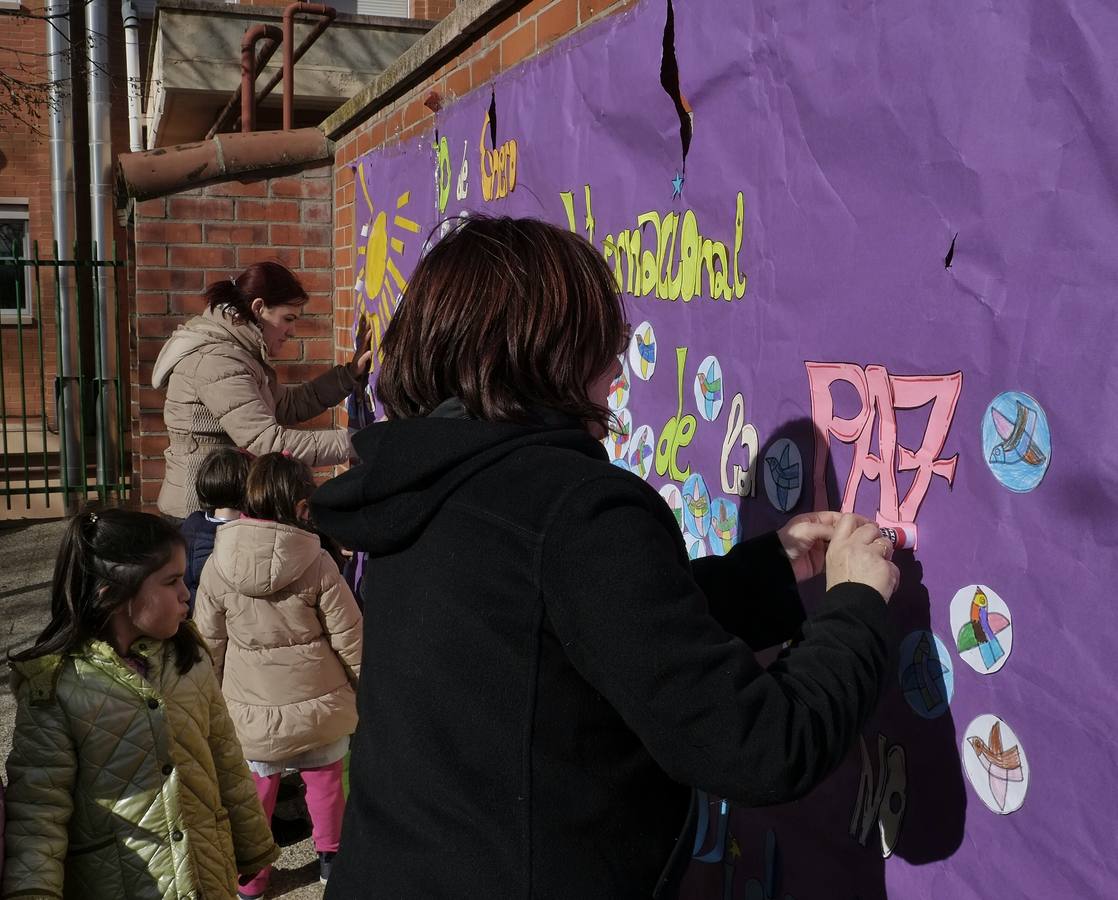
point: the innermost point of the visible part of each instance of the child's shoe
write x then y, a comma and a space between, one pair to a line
243, 891
325, 862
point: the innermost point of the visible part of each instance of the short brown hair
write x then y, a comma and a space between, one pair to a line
276, 483
272, 282
506, 315
221, 478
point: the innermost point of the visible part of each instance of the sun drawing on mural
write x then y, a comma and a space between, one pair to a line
379, 280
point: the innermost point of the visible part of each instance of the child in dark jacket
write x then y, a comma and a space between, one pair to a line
221, 490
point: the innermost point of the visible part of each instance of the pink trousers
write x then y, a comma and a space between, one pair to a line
325, 803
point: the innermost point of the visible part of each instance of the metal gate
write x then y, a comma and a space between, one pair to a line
62, 426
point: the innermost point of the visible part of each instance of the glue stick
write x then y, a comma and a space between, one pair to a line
901, 537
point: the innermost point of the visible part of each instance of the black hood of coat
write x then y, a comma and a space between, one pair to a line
409, 467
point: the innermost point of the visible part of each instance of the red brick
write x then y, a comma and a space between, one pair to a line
148, 350
291, 351
203, 257
301, 188
257, 188
236, 234
151, 255
289, 256
152, 279
168, 233
187, 280
318, 351
150, 303
314, 258
158, 326
155, 468
502, 28
318, 305
485, 67
296, 373
149, 398
317, 212
313, 326
458, 82
343, 256
156, 208
519, 45
206, 208
301, 235
317, 281
188, 304
556, 21
267, 211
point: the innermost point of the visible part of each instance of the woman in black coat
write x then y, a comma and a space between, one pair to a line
547, 675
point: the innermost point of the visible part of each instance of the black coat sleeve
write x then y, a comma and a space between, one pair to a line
752, 591
622, 598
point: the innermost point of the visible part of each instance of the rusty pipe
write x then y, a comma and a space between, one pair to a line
167, 170
248, 70
267, 50
290, 55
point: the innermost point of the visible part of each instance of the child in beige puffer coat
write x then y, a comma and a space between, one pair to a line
285, 634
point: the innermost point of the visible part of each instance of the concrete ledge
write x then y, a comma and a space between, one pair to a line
470, 19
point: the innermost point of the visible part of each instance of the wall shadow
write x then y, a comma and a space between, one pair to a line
829, 844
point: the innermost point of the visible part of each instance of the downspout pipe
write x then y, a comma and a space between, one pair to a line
101, 232
131, 21
253, 34
290, 54
68, 402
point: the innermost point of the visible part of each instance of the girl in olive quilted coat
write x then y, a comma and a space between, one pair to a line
125, 778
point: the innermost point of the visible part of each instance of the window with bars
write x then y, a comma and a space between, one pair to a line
15, 299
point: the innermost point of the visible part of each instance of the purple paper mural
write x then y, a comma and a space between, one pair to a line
868, 253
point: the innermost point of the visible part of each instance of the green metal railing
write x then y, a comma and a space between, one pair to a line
92, 463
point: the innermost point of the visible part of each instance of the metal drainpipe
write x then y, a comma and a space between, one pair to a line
68, 410
131, 21
101, 212
290, 55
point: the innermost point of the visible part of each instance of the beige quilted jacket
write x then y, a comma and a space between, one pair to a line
285, 633
127, 787
221, 391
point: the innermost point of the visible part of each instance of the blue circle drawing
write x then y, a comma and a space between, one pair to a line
783, 474
696, 546
1016, 442
708, 388
696, 506
621, 464
642, 449
723, 526
926, 675
642, 351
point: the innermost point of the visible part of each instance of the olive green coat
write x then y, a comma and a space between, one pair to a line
127, 787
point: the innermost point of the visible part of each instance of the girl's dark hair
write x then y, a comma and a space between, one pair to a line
505, 314
103, 561
276, 483
272, 282
221, 478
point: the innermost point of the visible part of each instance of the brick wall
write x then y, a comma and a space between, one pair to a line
432, 10
184, 242
523, 32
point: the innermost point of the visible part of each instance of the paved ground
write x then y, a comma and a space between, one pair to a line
27, 554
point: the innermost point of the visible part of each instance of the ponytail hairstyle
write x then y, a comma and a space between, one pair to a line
276, 483
103, 561
272, 282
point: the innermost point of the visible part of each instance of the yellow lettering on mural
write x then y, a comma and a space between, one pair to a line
498, 166
674, 260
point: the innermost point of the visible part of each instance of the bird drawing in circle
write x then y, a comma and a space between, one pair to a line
712, 390
1002, 765
1017, 444
785, 475
981, 630
646, 348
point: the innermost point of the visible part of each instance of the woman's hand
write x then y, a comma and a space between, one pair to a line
805, 538
362, 355
860, 554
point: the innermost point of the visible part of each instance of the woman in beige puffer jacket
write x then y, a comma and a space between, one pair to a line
222, 391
